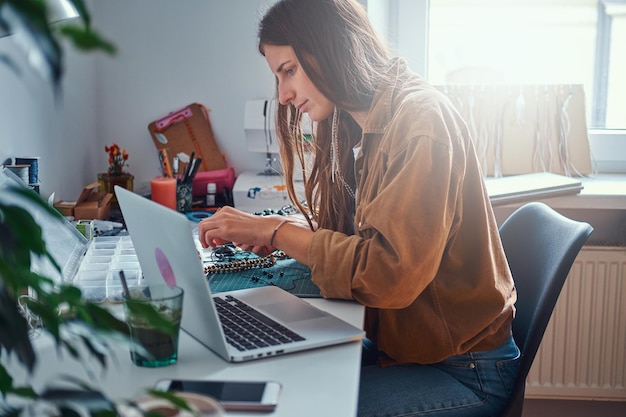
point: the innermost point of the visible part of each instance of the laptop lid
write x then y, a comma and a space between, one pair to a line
167, 251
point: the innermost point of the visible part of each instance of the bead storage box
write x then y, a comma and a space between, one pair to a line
94, 265
98, 275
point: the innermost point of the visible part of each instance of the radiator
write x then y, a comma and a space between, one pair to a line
583, 352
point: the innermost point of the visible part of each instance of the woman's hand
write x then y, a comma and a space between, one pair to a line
247, 231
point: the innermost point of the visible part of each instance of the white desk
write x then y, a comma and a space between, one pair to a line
321, 382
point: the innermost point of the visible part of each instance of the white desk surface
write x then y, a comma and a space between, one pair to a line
320, 382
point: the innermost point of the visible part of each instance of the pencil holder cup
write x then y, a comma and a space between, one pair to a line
183, 197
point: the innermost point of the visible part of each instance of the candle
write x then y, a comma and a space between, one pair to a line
164, 191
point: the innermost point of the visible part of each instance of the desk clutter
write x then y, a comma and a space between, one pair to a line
181, 197
227, 268
188, 130
188, 154
254, 193
92, 261
90, 204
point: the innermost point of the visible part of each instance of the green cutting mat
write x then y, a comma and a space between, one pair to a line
287, 274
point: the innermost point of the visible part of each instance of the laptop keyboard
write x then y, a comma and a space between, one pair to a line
246, 328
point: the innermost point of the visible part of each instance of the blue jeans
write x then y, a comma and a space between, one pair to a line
471, 384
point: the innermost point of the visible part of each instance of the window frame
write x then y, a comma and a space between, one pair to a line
602, 61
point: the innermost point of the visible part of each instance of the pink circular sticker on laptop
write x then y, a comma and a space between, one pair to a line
165, 268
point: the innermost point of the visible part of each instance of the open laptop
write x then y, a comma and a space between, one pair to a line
165, 245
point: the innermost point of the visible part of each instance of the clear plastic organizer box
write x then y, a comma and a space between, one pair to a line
98, 275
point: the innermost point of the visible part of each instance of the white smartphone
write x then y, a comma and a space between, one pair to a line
232, 395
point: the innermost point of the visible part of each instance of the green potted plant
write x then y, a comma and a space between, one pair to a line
75, 324
59, 307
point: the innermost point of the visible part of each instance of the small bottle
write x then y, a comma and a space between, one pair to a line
211, 190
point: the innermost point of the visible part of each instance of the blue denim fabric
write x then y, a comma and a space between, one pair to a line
472, 384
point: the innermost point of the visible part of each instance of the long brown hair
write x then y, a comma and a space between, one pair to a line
342, 55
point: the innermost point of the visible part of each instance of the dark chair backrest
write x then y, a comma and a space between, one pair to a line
540, 245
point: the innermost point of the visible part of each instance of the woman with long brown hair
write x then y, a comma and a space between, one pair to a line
396, 216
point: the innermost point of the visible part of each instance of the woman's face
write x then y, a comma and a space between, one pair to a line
294, 86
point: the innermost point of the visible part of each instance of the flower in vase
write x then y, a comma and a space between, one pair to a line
117, 159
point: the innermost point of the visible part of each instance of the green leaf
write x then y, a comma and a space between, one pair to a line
104, 413
11, 412
85, 39
70, 348
36, 199
21, 234
103, 319
6, 386
14, 331
83, 396
68, 412
96, 353
6, 381
69, 294
25, 392
171, 396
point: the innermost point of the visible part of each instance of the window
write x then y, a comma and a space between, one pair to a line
534, 42
522, 42
516, 41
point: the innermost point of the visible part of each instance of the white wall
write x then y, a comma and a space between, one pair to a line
59, 130
170, 54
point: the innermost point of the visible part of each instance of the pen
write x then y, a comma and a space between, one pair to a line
188, 167
165, 163
191, 159
194, 169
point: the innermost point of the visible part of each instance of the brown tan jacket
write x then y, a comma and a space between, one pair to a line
426, 259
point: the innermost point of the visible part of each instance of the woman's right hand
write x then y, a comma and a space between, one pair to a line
247, 231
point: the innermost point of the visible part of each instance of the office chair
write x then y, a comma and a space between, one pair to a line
540, 245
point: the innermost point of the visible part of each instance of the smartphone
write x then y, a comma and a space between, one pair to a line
232, 395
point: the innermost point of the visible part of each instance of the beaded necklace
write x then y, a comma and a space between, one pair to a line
335, 165
242, 265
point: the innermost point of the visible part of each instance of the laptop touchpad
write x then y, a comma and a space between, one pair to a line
290, 312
